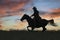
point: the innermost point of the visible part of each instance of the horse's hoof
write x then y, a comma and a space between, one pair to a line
43, 31
28, 30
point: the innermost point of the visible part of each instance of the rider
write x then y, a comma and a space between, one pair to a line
36, 18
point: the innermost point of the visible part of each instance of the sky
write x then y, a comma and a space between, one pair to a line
21, 5
12, 10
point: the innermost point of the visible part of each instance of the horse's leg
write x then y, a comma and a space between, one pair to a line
44, 29
32, 28
27, 28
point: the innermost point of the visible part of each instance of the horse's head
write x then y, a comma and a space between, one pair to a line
24, 17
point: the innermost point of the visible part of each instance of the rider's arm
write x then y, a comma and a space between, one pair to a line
32, 15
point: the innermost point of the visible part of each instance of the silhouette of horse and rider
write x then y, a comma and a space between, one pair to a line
37, 21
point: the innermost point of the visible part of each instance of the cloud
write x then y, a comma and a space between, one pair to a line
55, 10
55, 13
11, 5
51, 15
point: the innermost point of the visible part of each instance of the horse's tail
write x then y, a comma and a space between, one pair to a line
52, 22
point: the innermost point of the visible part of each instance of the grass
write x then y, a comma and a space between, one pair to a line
25, 35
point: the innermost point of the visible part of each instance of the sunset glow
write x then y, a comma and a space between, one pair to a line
11, 11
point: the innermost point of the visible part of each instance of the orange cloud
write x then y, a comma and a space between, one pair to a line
12, 5
55, 10
54, 13
2, 11
19, 6
50, 16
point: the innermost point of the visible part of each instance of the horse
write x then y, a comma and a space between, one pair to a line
33, 24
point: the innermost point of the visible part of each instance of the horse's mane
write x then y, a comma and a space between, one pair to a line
27, 16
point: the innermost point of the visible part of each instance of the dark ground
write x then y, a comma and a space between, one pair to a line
25, 35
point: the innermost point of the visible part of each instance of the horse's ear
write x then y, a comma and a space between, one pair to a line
25, 14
